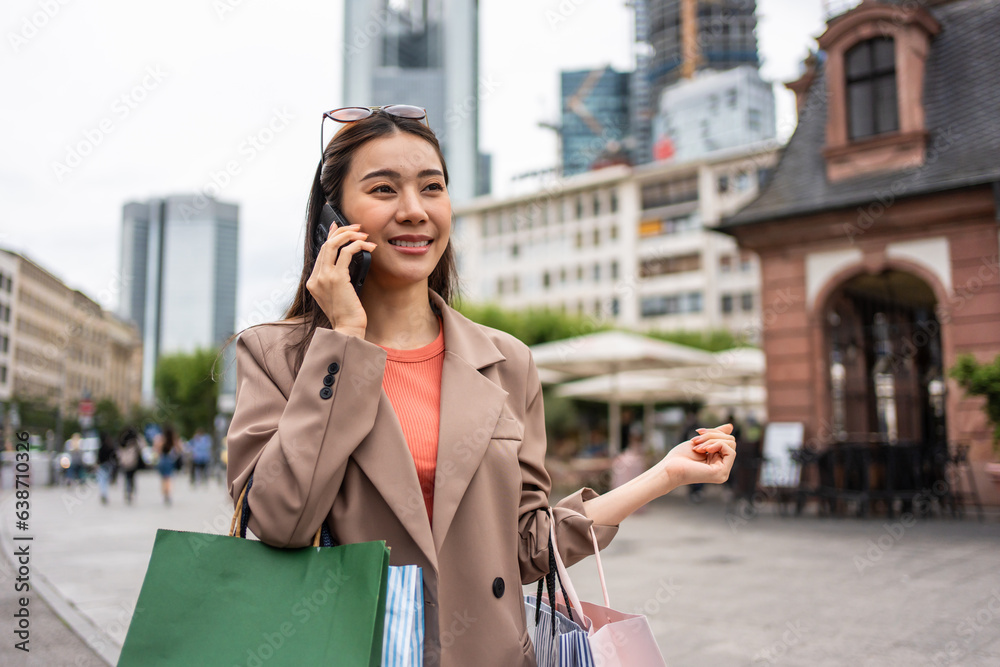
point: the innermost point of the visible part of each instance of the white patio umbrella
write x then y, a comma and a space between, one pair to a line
611, 353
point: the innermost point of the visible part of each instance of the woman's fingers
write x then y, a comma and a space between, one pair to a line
350, 249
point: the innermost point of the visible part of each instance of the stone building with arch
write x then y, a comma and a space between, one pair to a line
879, 232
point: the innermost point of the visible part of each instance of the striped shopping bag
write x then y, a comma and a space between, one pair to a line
403, 641
568, 646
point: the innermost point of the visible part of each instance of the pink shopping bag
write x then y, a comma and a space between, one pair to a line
617, 639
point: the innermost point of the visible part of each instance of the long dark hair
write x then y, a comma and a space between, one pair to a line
328, 187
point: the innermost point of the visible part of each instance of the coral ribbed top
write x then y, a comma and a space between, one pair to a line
412, 380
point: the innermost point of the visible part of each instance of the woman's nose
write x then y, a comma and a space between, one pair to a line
410, 208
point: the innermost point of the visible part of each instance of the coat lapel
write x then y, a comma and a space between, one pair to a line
387, 462
470, 407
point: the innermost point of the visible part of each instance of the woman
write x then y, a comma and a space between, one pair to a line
129, 460
168, 446
392, 417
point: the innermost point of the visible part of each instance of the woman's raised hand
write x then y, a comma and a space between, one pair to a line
330, 280
705, 459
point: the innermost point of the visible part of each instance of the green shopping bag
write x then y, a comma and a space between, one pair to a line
220, 600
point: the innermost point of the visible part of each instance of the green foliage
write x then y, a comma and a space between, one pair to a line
184, 382
37, 416
712, 341
981, 380
542, 325
532, 326
108, 418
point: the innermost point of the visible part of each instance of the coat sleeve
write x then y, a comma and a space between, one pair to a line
572, 523
297, 445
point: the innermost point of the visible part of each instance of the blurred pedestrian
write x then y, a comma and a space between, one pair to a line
75, 449
129, 460
105, 465
201, 455
168, 447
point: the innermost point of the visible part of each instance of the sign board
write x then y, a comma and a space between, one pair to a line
780, 439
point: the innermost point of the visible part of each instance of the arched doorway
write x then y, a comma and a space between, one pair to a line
886, 382
884, 352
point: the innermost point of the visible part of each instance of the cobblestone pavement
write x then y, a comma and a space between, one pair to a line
740, 587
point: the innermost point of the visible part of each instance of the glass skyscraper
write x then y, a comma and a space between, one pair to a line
595, 118
679, 37
425, 53
178, 271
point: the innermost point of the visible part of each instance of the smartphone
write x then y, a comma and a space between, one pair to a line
358, 269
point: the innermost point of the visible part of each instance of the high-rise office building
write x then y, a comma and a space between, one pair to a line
178, 271
714, 111
425, 53
595, 118
678, 38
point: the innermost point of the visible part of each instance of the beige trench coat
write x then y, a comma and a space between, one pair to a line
338, 453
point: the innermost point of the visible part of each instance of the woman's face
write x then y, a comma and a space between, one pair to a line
395, 190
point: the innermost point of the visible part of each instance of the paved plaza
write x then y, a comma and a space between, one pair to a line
719, 588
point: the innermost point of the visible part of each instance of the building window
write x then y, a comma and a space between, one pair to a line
753, 120
723, 184
3, 374
614, 270
660, 266
727, 304
517, 284
4, 313
614, 232
515, 250
579, 239
597, 203
562, 275
746, 302
614, 201
665, 193
746, 262
597, 272
4, 343
500, 286
693, 302
871, 88
726, 263
579, 273
579, 207
546, 280
597, 237
731, 98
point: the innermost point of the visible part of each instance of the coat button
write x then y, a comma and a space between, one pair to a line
498, 587
328, 380
333, 368
325, 393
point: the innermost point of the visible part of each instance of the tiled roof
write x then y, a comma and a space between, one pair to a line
962, 106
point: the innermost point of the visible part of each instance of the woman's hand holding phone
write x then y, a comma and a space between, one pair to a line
330, 281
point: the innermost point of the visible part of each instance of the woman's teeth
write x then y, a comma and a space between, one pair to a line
410, 244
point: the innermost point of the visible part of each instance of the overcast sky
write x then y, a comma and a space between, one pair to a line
116, 100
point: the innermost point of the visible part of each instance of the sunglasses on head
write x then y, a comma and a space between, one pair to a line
352, 114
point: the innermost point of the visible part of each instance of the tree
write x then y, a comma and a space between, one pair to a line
982, 380
184, 382
108, 418
531, 326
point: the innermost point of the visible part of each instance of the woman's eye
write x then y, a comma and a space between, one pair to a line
382, 189
436, 186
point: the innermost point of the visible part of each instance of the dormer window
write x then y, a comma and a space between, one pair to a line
874, 71
871, 88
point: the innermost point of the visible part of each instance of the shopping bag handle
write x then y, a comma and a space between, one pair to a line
572, 599
600, 567
241, 515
